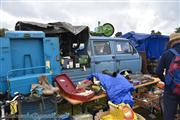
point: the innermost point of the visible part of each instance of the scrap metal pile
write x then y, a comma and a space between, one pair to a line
137, 79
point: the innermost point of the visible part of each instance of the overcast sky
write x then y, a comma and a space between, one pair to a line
126, 15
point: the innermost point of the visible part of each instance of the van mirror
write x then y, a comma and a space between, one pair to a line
133, 51
79, 47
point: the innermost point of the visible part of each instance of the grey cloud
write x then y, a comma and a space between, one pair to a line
125, 16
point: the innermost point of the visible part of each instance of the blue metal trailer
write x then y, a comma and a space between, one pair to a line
24, 56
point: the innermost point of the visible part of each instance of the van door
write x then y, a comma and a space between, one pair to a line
103, 56
127, 58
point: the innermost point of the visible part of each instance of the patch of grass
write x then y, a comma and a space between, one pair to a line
66, 107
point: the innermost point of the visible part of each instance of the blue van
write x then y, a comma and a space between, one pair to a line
106, 53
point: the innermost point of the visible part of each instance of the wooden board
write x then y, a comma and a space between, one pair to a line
75, 102
156, 80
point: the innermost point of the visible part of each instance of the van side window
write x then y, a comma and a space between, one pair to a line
124, 47
102, 48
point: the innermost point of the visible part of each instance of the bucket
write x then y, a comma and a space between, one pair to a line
139, 117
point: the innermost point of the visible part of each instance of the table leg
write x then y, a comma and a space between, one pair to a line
72, 109
83, 108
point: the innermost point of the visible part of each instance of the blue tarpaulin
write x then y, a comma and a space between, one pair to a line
152, 44
117, 88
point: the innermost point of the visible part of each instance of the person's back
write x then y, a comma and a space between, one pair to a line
171, 101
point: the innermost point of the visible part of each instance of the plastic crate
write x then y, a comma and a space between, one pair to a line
31, 108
